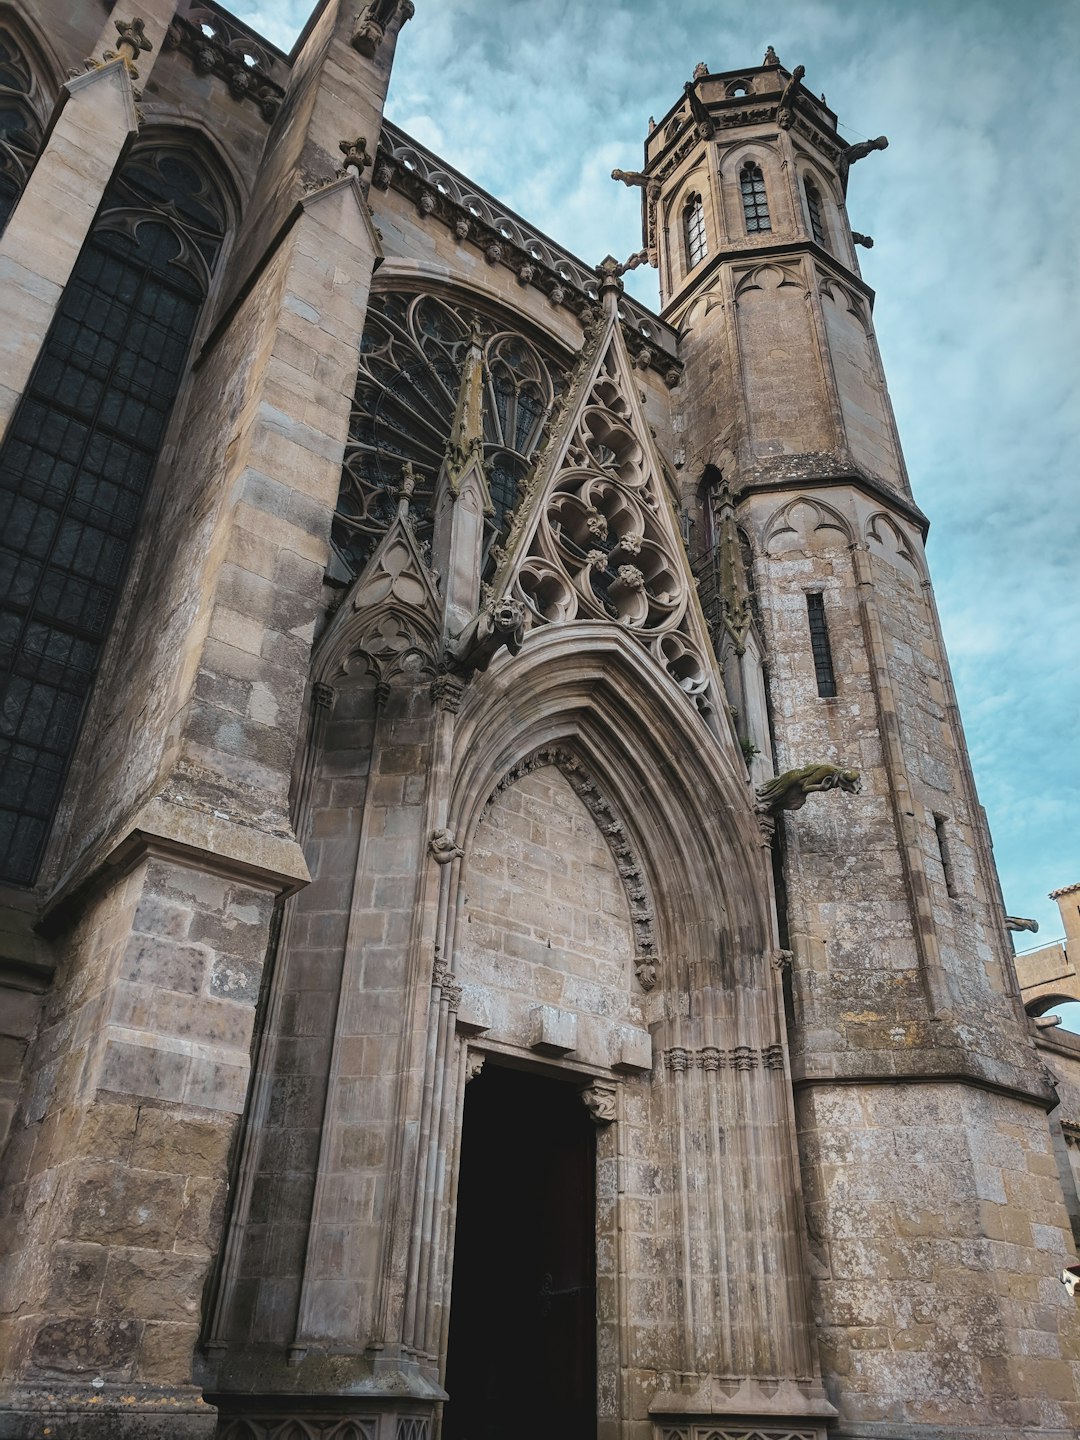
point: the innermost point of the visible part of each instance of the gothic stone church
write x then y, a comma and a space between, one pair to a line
499, 939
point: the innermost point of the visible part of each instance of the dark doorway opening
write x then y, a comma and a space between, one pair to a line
522, 1347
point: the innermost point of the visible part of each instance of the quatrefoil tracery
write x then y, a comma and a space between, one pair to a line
601, 549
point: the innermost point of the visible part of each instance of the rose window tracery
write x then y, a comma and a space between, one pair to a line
411, 360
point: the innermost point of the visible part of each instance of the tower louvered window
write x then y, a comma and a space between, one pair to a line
20, 129
76, 464
813, 211
819, 645
754, 200
694, 232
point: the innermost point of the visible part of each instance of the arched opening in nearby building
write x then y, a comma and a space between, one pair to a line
523, 1309
77, 461
694, 237
755, 202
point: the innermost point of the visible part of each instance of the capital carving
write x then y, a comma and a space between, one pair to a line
677, 1059
600, 1101
447, 691
323, 696
443, 847
442, 977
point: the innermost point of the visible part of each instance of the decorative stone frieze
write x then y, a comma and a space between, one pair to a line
219, 45
710, 1058
505, 239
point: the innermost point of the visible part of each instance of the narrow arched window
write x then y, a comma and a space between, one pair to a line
813, 210
76, 464
694, 232
755, 203
20, 128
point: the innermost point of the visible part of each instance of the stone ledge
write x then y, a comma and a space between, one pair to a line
953, 1068
195, 838
105, 1412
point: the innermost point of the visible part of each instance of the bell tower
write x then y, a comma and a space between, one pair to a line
902, 1007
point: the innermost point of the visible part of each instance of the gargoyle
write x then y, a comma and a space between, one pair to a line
641, 180
498, 623
860, 152
1017, 922
789, 791
785, 111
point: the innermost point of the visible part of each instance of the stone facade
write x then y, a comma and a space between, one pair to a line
470, 613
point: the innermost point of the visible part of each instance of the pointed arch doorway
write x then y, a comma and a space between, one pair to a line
521, 1357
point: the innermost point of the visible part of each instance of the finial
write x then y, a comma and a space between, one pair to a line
771, 57
356, 155
406, 487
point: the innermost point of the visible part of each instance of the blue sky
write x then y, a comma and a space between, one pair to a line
975, 211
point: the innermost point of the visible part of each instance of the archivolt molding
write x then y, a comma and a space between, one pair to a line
801, 518
592, 691
613, 829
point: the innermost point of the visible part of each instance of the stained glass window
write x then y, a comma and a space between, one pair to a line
76, 464
411, 361
754, 200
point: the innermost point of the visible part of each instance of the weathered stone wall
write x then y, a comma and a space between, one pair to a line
938, 1235
115, 1175
547, 918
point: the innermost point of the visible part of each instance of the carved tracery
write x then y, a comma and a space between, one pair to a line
20, 127
603, 547
407, 386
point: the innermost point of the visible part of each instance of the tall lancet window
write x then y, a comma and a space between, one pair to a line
694, 232
76, 463
755, 202
20, 128
813, 211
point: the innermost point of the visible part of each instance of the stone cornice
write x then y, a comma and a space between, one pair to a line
219, 44
506, 239
791, 479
